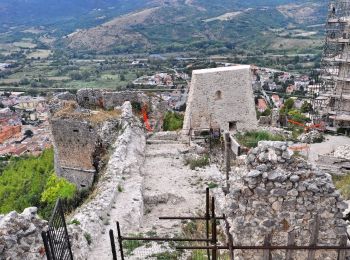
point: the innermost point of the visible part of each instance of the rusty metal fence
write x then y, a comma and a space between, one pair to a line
56, 239
208, 246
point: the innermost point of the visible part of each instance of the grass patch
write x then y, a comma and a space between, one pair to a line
342, 183
74, 222
131, 245
88, 238
120, 188
252, 138
173, 121
174, 255
198, 163
212, 185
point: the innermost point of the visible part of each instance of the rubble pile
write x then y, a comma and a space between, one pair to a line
20, 235
311, 137
276, 193
342, 152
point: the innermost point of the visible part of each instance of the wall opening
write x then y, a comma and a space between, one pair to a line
232, 126
218, 95
76, 131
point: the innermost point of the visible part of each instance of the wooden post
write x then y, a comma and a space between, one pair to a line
267, 253
314, 228
291, 242
342, 253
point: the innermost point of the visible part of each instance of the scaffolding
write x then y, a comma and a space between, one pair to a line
332, 98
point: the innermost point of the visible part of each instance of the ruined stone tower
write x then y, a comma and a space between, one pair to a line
221, 98
81, 139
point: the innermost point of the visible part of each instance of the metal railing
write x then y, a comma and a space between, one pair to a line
56, 239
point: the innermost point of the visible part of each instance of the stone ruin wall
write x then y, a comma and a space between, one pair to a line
219, 96
74, 145
79, 146
277, 193
92, 98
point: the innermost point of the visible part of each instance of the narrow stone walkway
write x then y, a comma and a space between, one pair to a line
166, 187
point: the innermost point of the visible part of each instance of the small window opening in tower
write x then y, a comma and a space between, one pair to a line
218, 95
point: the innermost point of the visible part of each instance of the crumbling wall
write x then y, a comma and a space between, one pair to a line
337, 162
277, 193
92, 98
79, 145
20, 235
126, 161
221, 98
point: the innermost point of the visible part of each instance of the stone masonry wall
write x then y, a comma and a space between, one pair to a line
277, 193
74, 142
92, 98
219, 96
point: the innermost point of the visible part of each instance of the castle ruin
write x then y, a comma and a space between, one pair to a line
221, 98
81, 138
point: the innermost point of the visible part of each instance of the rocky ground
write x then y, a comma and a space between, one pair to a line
330, 144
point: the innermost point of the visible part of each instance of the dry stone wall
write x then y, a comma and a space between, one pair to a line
20, 235
278, 193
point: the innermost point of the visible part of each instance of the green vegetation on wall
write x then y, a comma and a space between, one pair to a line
31, 181
173, 121
251, 139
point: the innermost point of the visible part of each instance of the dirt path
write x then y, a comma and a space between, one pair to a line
331, 142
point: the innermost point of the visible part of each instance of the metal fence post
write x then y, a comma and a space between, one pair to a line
65, 228
111, 237
207, 218
120, 240
46, 245
213, 228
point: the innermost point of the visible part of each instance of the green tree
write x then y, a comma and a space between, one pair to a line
306, 107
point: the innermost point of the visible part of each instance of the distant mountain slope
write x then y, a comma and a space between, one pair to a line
120, 26
195, 24
66, 13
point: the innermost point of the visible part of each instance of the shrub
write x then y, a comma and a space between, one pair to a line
342, 183
172, 121
198, 163
57, 187
30, 181
23, 180
251, 139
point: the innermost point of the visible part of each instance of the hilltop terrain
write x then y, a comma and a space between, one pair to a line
162, 26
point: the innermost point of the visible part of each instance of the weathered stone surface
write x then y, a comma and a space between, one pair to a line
20, 235
214, 92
